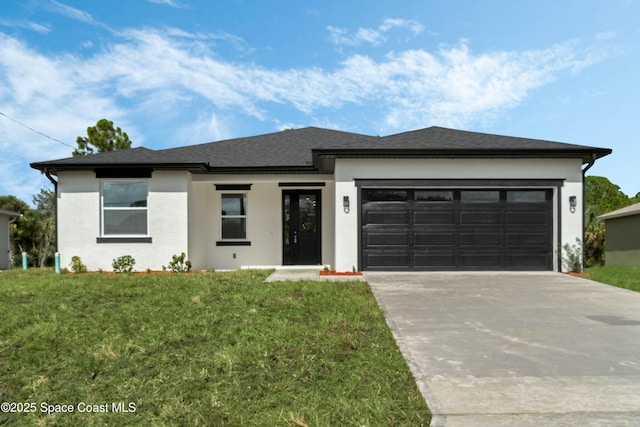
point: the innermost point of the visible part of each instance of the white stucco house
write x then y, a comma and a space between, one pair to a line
430, 199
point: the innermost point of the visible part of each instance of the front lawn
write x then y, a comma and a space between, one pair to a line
198, 349
622, 277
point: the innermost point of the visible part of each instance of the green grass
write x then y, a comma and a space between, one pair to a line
214, 349
622, 277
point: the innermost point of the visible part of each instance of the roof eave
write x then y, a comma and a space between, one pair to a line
10, 213
57, 167
261, 169
324, 159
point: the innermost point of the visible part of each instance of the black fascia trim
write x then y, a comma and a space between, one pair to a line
121, 172
459, 182
490, 152
54, 167
236, 187
262, 169
233, 243
123, 240
561, 153
302, 184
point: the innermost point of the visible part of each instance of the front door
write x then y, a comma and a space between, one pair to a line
301, 227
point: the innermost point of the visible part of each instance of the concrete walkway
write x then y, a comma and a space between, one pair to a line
517, 349
282, 274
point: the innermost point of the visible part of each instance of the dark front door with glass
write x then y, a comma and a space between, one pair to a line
301, 227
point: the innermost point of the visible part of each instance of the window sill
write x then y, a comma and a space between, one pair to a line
123, 240
233, 243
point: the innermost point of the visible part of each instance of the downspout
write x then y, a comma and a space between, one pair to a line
584, 171
55, 190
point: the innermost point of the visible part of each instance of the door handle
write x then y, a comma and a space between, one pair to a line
295, 237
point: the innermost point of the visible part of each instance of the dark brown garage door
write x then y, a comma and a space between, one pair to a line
456, 229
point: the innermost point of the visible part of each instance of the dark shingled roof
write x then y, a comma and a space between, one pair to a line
313, 149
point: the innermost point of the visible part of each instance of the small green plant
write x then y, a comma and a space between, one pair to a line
123, 264
77, 265
179, 264
572, 258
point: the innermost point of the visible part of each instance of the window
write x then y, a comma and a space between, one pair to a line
386, 195
526, 196
234, 216
479, 196
433, 195
124, 208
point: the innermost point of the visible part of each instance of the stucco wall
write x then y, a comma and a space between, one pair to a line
79, 221
347, 170
622, 240
264, 220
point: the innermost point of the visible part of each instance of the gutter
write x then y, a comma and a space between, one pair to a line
590, 164
584, 211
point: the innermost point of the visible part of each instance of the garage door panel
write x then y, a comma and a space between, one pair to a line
387, 239
479, 238
415, 229
423, 238
389, 217
479, 217
527, 239
443, 217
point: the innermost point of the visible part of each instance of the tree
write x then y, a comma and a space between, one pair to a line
12, 203
601, 196
34, 232
43, 226
100, 138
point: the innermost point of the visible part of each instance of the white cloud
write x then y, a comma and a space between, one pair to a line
33, 26
162, 83
72, 12
171, 3
373, 36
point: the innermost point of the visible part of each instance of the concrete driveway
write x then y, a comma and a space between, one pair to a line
517, 349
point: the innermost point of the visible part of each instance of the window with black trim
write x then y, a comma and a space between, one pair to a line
480, 196
526, 196
124, 208
234, 216
433, 195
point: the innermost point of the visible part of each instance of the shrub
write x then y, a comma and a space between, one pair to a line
123, 264
77, 266
179, 264
572, 258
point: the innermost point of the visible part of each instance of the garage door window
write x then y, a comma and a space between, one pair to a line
480, 196
386, 196
433, 196
528, 196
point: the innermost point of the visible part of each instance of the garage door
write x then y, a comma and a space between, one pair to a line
456, 229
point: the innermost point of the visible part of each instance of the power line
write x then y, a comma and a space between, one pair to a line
35, 131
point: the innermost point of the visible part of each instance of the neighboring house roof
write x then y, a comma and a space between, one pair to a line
9, 213
626, 211
313, 149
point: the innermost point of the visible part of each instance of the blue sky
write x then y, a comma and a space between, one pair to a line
181, 72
